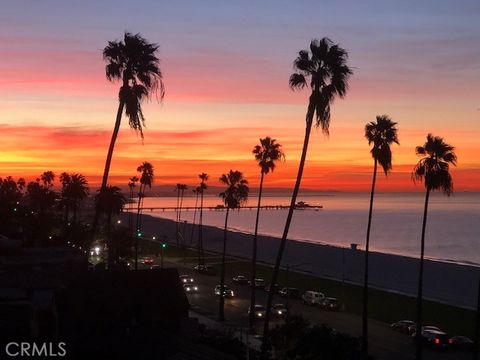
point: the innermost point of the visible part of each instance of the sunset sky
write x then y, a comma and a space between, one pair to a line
226, 66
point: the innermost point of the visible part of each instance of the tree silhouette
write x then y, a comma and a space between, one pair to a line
433, 170
326, 67
132, 183
146, 179
110, 202
381, 134
134, 62
233, 197
266, 154
201, 188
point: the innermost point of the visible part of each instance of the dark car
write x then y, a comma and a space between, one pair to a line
147, 260
205, 269
240, 280
186, 279
190, 288
279, 310
402, 326
258, 284
330, 303
434, 338
413, 328
461, 343
275, 287
290, 292
227, 293
259, 311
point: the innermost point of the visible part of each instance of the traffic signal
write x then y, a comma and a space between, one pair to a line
164, 245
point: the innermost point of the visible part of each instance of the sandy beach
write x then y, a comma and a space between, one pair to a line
444, 282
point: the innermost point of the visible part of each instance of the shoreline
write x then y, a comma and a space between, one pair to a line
446, 282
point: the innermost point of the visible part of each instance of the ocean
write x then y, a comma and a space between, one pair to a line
452, 235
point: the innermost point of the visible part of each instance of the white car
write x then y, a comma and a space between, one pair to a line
313, 298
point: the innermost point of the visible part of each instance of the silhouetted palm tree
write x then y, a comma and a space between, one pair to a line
326, 67
77, 190
233, 197
196, 191
266, 154
146, 179
134, 62
202, 187
131, 185
433, 170
47, 178
182, 189
109, 202
381, 134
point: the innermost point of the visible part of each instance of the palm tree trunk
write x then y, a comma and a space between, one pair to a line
201, 257
309, 121
108, 161
177, 226
130, 215
109, 237
137, 226
193, 222
221, 303
251, 317
418, 348
365, 278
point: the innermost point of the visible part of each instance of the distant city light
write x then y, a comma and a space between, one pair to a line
97, 250
154, 238
119, 221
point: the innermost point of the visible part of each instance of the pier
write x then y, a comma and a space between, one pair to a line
221, 208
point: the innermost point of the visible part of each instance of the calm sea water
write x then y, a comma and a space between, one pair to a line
453, 228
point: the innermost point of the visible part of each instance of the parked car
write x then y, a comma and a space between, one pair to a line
186, 279
259, 311
313, 298
412, 329
190, 288
290, 292
330, 303
461, 343
279, 310
240, 280
402, 326
147, 260
205, 269
259, 283
275, 287
227, 293
434, 338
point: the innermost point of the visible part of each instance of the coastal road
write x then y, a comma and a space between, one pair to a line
384, 342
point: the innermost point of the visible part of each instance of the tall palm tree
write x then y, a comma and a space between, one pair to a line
433, 170
381, 134
134, 62
132, 183
325, 65
202, 187
196, 191
233, 197
146, 179
266, 154
182, 189
109, 202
